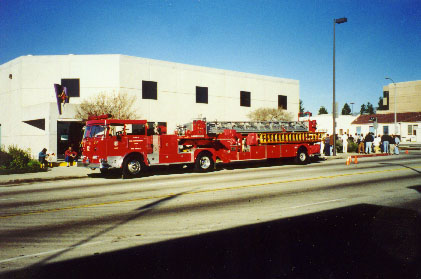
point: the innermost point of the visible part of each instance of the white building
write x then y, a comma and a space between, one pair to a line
343, 123
165, 92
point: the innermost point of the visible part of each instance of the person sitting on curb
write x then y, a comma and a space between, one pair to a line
41, 158
376, 144
69, 156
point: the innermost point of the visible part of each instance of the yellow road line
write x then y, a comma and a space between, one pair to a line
199, 192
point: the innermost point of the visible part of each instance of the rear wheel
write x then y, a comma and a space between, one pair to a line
302, 156
204, 162
132, 167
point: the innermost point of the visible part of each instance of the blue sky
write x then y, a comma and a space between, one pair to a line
288, 39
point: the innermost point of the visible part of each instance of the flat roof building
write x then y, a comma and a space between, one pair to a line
167, 92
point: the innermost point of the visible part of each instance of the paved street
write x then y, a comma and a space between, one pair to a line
63, 225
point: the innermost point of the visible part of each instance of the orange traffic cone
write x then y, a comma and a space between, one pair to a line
355, 160
348, 161
406, 152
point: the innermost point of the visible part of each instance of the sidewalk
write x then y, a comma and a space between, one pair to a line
353, 155
56, 173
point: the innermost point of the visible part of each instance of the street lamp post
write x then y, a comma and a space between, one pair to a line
352, 108
396, 123
338, 21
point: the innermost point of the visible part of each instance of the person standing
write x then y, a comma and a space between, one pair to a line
385, 141
368, 143
327, 145
69, 156
397, 142
360, 143
345, 143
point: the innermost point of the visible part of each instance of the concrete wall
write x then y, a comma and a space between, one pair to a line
29, 93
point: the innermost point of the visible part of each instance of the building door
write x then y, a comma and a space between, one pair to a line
69, 133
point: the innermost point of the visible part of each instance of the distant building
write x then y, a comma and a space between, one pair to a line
409, 124
166, 92
343, 123
408, 112
408, 97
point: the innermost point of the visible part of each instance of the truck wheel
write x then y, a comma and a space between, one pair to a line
132, 167
204, 162
302, 156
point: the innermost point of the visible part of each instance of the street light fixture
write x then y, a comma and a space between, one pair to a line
396, 123
335, 21
352, 108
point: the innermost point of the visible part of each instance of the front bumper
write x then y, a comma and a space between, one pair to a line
88, 165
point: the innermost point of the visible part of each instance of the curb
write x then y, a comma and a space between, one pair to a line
30, 180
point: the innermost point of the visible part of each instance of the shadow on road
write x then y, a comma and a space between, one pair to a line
362, 241
140, 212
189, 168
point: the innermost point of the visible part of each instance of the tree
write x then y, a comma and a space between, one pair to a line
302, 109
380, 104
119, 105
346, 110
370, 108
322, 110
363, 109
269, 114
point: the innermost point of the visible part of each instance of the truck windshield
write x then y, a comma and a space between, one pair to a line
94, 131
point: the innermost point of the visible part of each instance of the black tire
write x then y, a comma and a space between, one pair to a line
204, 162
132, 167
302, 156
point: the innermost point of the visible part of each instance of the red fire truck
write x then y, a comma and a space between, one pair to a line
131, 145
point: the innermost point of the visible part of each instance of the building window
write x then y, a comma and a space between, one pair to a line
385, 130
412, 130
149, 90
371, 129
245, 99
358, 130
201, 95
282, 102
385, 100
72, 85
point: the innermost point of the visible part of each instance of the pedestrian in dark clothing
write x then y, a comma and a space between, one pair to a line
327, 145
368, 143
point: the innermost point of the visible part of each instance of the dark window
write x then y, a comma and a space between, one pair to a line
245, 99
385, 102
282, 102
201, 95
149, 90
154, 128
72, 85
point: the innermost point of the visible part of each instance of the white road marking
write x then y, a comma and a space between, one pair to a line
316, 203
47, 252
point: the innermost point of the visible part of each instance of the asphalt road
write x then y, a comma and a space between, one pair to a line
324, 220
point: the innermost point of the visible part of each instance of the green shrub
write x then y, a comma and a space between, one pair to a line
352, 146
338, 146
34, 165
20, 157
5, 159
